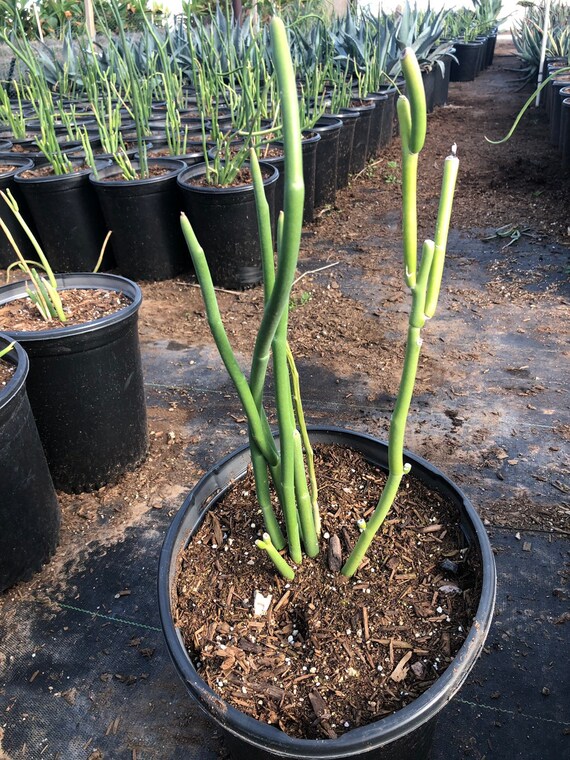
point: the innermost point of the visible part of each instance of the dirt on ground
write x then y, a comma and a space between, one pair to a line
519, 184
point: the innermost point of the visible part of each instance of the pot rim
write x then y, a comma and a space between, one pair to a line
18, 162
199, 169
58, 178
373, 735
80, 281
18, 357
169, 163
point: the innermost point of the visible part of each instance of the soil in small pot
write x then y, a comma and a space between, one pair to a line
5, 168
153, 171
6, 372
79, 305
330, 654
48, 171
242, 178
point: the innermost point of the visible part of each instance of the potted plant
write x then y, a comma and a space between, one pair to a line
29, 511
218, 197
85, 381
139, 199
58, 195
210, 594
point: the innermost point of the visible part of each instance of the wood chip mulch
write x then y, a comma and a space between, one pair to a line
48, 171
329, 655
79, 305
6, 372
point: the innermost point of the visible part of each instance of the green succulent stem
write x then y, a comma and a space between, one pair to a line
296, 388
280, 563
396, 467
417, 98
425, 288
450, 170
264, 442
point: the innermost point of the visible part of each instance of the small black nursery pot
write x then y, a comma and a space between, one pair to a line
225, 222
29, 511
144, 215
67, 216
328, 127
86, 387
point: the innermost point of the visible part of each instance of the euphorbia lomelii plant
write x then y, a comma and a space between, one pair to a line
286, 467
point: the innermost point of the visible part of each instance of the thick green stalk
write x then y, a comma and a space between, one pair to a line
417, 97
264, 442
297, 402
397, 468
278, 301
286, 423
304, 505
280, 563
409, 193
451, 166
258, 462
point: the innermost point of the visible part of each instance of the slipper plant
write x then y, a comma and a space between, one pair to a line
286, 467
42, 290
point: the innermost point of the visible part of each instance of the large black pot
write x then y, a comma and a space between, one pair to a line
491, 43
376, 122
225, 222
29, 512
359, 154
441, 89
329, 129
309, 145
86, 388
404, 735
466, 67
67, 216
309, 142
7, 255
388, 114
144, 215
557, 85
428, 79
349, 120
565, 133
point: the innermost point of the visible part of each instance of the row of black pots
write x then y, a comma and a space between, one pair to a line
557, 101
470, 58
80, 425
72, 213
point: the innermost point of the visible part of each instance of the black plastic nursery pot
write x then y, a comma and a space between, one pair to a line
144, 215
329, 129
7, 255
466, 67
557, 86
565, 133
441, 87
490, 51
309, 144
388, 114
225, 222
29, 510
349, 120
404, 735
359, 154
428, 78
86, 388
67, 216
375, 135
